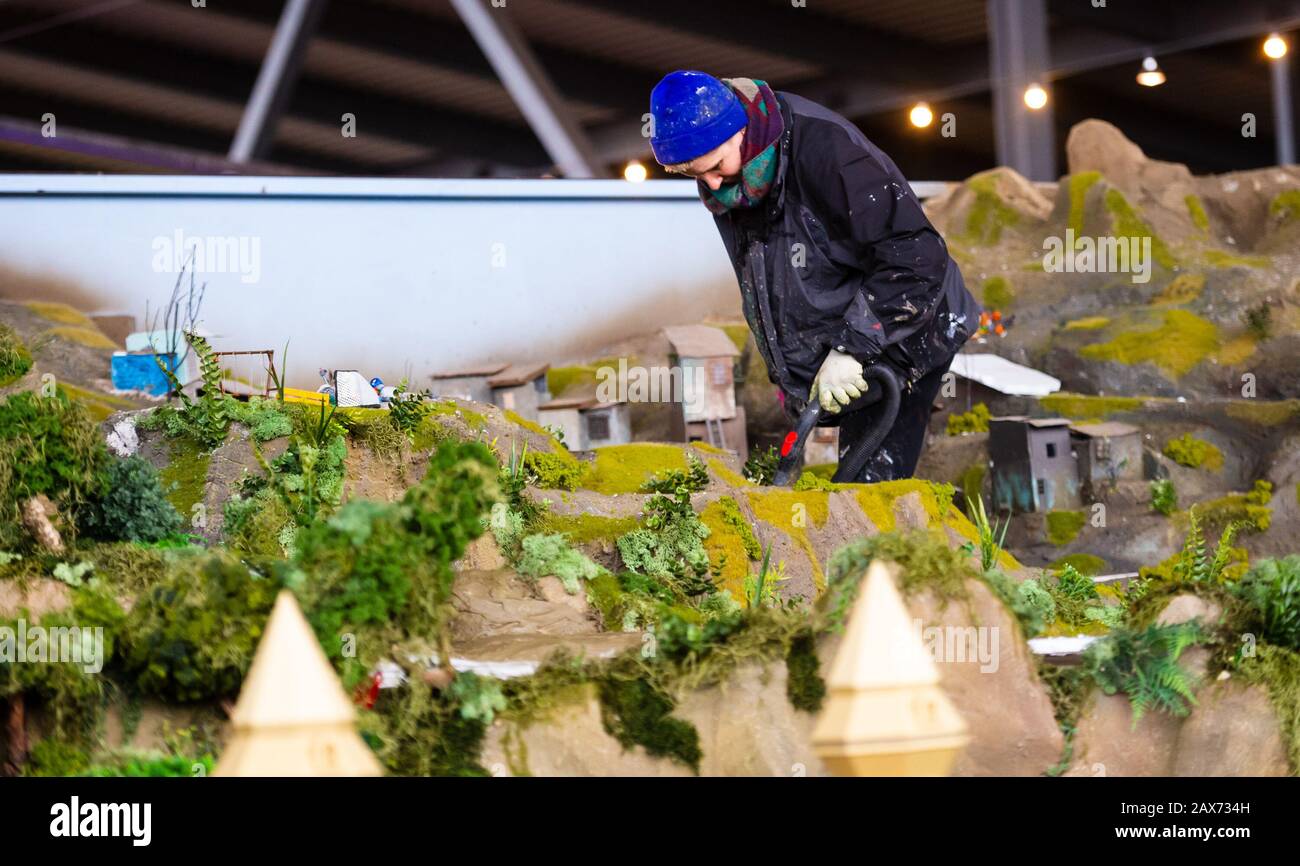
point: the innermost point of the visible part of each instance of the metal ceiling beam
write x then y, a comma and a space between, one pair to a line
275, 81
530, 87
1283, 110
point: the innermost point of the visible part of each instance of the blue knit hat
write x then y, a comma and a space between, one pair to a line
693, 113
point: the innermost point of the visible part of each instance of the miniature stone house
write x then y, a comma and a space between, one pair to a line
470, 383
520, 388
710, 413
1033, 465
1107, 453
587, 422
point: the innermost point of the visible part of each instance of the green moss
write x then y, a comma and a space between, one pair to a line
1063, 526
578, 378
804, 685
1285, 206
473, 420
790, 512
545, 554
1178, 344
997, 293
99, 405
971, 483
926, 562
1196, 211
988, 214
1220, 259
1182, 289
1079, 185
707, 448
1090, 323
1127, 223
1194, 453
1079, 406
624, 468
1278, 670
739, 334
185, 474
15, 360
635, 713
1086, 564
974, 421
585, 528
556, 470
1249, 511
731, 544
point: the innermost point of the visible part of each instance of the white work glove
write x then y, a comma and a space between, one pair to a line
838, 382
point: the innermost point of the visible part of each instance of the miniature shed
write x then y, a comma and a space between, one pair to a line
469, 383
521, 388
1107, 452
710, 413
587, 422
1033, 464
1006, 387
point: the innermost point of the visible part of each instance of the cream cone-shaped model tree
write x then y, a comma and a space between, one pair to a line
885, 714
293, 717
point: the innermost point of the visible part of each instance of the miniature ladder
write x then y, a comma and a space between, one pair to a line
718, 439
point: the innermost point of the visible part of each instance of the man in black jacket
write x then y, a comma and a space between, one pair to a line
838, 265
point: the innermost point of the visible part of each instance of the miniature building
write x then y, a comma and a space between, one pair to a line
823, 446
1033, 464
470, 383
521, 388
293, 717
707, 358
587, 422
1005, 387
1107, 452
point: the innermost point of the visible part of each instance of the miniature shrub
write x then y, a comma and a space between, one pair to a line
1259, 320
15, 360
152, 766
48, 445
551, 554
1085, 563
1063, 526
265, 419
974, 421
259, 526
730, 512
1144, 665
192, 636
1272, 588
760, 466
53, 757
694, 479
1249, 512
1164, 498
130, 504
1189, 451
671, 544
419, 732
553, 471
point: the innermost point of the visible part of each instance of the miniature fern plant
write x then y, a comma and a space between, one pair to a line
1144, 665
1195, 564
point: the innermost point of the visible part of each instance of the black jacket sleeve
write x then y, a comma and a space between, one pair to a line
901, 255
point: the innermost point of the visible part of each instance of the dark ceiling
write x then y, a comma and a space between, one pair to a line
173, 79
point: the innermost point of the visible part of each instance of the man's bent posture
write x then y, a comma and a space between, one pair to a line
838, 266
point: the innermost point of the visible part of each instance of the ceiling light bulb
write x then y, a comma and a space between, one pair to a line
1035, 97
921, 115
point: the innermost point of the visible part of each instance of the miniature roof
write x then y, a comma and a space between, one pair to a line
485, 369
518, 374
700, 341
1007, 377
582, 404
1104, 429
1032, 422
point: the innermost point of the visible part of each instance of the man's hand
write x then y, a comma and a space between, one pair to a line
839, 381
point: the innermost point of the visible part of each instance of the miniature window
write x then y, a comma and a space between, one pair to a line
540, 384
598, 425
1042, 487
1051, 449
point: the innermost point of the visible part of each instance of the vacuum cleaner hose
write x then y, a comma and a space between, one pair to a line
885, 412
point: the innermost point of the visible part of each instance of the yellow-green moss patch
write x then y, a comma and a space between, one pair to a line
1089, 323
1285, 206
731, 544
585, 528
729, 475
1266, 413
997, 294
1179, 343
1064, 526
1237, 350
791, 512
624, 468
1079, 185
739, 334
99, 405
1196, 211
1080, 406
988, 214
61, 313
1127, 223
185, 474
1182, 289
708, 448
1194, 453
92, 336
1220, 259
1087, 564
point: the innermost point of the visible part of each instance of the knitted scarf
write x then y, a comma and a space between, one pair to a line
758, 150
